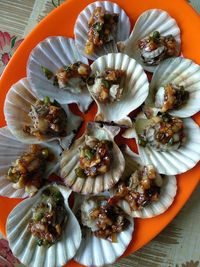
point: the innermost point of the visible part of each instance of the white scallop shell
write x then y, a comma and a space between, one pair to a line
99, 252
81, 27
148, 22
167, 194
12, 149
177, 161
54, 53
182, 72
91, 185
23, 244
17, 105
136, 88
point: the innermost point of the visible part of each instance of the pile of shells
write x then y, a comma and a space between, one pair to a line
110, 184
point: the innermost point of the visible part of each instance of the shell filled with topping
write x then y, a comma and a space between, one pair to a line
174, 88
163, 133
44, 225
99, 27
155, 48
33, 120
68, 77
107, 85
119, 85
102, 28
48, 218
171, 96
94, 162
48, 119
25, 168
104, 220
167, 142
155, 37
143, 192
56, 68
95, 157
107, 231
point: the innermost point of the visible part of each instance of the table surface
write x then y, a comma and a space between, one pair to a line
179, 244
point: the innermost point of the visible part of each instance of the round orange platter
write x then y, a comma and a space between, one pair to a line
61, 22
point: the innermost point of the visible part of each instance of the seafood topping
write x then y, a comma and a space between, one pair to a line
104, 220
140, 189
107, 86
154, 48
48, 217
72, 77
74, 74
171, 97
28, 170
163, 133
95, 157
102, 26
48, 119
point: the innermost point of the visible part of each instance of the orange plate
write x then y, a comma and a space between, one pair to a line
61, 22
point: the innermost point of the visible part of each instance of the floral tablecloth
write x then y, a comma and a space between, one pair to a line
179, 244
8, 45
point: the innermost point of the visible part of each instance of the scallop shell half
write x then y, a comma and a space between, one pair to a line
167, 194
172, 162
23, 244
12, 149
135, 86
70, 161
99, 252
148, 22
81, 27
54, 53
17, 105
182, 72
